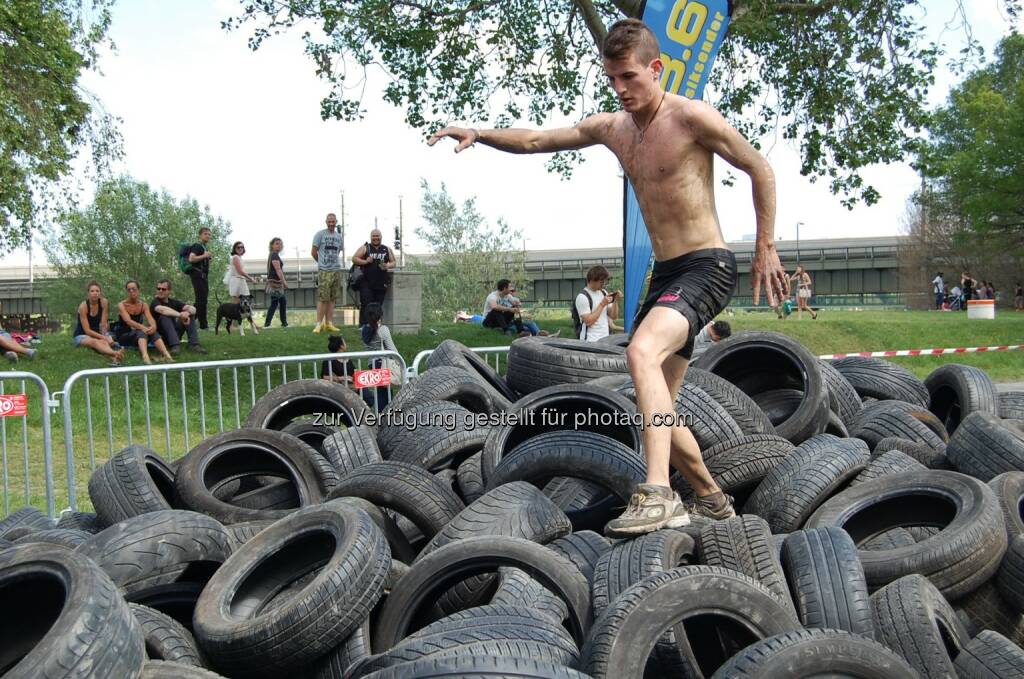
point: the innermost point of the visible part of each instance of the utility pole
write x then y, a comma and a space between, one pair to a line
401, 235
798, 242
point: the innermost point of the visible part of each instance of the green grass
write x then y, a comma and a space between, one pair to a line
834, 331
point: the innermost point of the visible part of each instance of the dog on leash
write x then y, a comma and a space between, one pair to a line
233, 313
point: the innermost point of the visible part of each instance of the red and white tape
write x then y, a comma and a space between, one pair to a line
923, 352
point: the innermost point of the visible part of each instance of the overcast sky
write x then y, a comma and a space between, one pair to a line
241, 132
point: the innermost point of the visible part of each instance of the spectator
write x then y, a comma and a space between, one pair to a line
596, 308
13, 349
990, 291
967, 286
199, 273
174, 318
499, 316
803, 292
376, 337
510, 301
327, 246
137, 327
336, 370
92, 329
376, 261
1018, 298
235, 277
276, 284
939, 288
716, 331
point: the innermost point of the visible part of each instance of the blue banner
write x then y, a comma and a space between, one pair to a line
690, 33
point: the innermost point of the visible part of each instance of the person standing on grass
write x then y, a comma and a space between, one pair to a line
376, 261
174, 318
235, 277
666, 145
803, 293
137, 326
939, 288
327, 247
92, 329
199, 273
276, 284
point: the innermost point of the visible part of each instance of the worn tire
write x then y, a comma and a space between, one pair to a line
166, 638
932, 458
881, 379
436, 445
629, 561
163, 669
750, 418
766, 493
843, 399
302, 400
223, 460
1011, 574
624, 636
64, 618
65, 537
84, 521
743, 544
816, 652
757, 362
454, 562
450, 352
739, 465
989, 655
286, 596
407, 489
886, 424
134, 481
477, 666
912, 618
827, 581
955, 391
985, 446
350, 448
1011, 405
985, 608
310, 433
536, 362
470, 478
584, 548
960, 558
1009, 490
887, 464
451, 384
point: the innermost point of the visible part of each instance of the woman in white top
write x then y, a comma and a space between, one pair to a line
803, 293
235, 277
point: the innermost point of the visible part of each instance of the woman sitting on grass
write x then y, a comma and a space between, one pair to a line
93, 327
376, 337
138, 327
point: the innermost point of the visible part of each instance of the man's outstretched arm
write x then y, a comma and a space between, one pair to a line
590, 131
716, 134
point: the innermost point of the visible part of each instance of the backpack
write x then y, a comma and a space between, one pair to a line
183, 251
577, 322
355, 274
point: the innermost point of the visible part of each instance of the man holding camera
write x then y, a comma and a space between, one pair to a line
376, 261
596, 307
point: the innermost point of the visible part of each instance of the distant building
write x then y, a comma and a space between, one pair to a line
748, 237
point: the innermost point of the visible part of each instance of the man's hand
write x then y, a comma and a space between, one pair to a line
766, 269
465, 137
149, 329
184, 317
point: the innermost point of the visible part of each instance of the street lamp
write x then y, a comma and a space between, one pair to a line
798, 225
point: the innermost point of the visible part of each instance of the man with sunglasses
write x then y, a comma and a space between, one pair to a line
174, 318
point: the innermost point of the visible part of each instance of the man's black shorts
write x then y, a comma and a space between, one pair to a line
698, 285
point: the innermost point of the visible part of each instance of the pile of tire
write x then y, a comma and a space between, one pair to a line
457, 533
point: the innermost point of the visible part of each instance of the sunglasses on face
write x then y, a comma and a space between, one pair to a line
159, 289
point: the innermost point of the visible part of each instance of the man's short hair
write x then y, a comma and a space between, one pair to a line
631, 35
205, 229
502, 284
722, 329
163, 281
597, 273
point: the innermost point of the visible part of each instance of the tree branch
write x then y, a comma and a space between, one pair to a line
808, 9
593, 21
630, 8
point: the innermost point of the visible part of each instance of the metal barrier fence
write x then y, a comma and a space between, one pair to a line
18, 404
170, 407
487, 352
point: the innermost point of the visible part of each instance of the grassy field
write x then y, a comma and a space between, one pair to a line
184, 405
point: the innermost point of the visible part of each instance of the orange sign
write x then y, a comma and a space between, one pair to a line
378, 377
14, 405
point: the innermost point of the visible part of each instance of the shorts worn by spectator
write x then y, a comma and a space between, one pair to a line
327, 247
137, 326
92, 326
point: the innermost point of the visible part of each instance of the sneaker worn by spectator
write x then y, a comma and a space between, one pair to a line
653, 507
11, 356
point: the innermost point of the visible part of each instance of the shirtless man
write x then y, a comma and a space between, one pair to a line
666, 145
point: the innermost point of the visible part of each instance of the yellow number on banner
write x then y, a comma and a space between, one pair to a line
673, 75
685, 21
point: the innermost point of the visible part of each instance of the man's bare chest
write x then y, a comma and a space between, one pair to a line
662, 154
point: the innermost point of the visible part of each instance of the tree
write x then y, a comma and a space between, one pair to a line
468, 256
47, 119
847, 80
973, 163
129, 232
